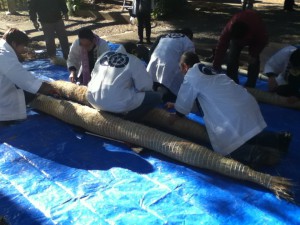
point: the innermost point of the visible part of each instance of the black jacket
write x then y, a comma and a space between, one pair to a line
141, 7
48, 11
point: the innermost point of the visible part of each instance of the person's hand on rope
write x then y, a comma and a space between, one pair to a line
72, 77
272, 83
48, 89
169, 105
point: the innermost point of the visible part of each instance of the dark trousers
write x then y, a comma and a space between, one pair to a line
28, 97
290, 89
165, 93
288, 4
58, 28
144, 21
151, 100
287, 91
258, 149
233, 65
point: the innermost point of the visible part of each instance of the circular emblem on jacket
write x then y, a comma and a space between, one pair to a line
206, 70
114, 59
174, 35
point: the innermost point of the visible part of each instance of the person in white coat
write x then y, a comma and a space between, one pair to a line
121, 85
17, 85
83, 54
283, 70
163, 65
232, 117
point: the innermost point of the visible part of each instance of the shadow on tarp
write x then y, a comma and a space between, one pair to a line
71, 148
23, 211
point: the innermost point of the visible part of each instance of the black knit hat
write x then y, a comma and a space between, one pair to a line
86, 33
295, 58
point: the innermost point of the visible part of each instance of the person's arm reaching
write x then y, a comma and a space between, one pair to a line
185, 99
222, 46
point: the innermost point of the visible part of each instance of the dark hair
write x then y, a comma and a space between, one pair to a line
295, 58
238, 30
17, 36
140, 51
86, 33
187, 32
189, 58
130, 47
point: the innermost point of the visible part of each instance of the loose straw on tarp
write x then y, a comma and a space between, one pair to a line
174, 147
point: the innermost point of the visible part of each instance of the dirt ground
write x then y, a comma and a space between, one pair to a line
205, 17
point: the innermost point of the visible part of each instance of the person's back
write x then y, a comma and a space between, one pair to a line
232, 116
119, 81
163, 65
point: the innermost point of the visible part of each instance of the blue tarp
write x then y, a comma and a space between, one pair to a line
54, 173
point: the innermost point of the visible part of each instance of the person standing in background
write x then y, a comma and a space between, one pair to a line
12, 7
142, 10
245, 28
289, 5
49, 13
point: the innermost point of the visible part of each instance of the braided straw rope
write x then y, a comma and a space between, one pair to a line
272, 98
157, 118
174, 147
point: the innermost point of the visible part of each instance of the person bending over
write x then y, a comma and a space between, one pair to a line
283, 70
234, 123
244, 29
165, 56
17, 86
121, 85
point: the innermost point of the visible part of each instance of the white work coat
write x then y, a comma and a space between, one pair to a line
164, 62
278, 64
119, 81
231, 115
75, 55
13, 80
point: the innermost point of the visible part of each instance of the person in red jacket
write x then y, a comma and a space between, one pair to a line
244, 29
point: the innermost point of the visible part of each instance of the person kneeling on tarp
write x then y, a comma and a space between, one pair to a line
121, 85
83, 54
283, 70
232, 117
17, 85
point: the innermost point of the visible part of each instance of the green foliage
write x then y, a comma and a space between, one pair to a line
73, 6
165, 8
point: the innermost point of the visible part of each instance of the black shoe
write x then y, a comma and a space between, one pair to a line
140, 42
149, 42
285, 139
